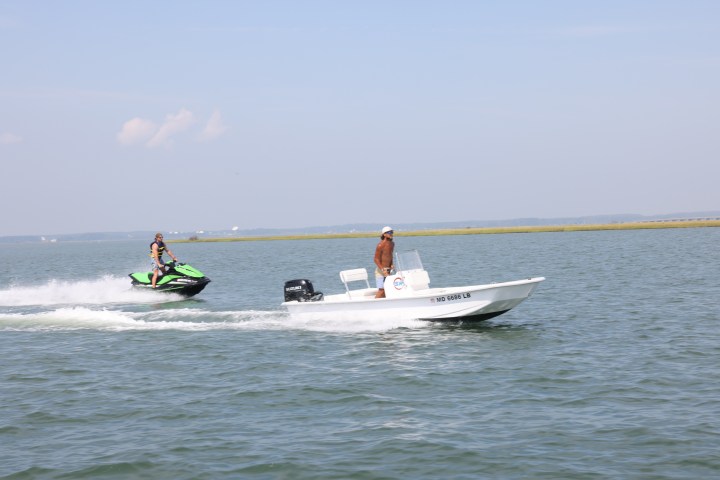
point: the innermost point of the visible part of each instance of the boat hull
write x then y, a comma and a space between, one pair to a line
471, 303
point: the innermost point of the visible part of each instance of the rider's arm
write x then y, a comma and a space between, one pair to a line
172, 255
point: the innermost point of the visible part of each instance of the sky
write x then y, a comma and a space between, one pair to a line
206, 115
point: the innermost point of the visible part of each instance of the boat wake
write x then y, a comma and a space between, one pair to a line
101, 291
79, 318
109, 304
183, 319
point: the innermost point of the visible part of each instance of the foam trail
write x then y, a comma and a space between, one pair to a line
355, 326
279, 320
104, 290
81, 318
184, 319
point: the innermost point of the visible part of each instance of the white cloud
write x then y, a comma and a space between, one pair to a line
173, 125
141, 131
214, 128
6, 138
137, 130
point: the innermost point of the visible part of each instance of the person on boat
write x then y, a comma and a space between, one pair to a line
384, 259
157, 248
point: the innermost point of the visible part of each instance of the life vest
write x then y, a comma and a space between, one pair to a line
161, 248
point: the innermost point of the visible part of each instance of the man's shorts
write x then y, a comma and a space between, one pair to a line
379, 279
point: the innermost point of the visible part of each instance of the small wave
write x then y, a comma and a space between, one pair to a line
77, 318
355, 326
105, 290
82, 317
280, 320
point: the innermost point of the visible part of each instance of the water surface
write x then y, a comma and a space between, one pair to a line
610, 370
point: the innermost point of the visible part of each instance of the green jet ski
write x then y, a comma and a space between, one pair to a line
179, 278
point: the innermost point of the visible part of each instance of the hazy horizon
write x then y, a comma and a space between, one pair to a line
370, 227
205, 116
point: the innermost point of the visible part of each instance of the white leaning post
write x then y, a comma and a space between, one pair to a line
355, 275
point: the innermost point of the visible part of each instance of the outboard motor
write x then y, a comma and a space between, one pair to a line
301, 291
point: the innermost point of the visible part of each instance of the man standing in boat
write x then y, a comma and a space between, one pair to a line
384, 260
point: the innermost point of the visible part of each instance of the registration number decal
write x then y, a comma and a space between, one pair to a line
450, 298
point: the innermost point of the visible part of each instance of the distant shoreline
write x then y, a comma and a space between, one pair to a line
649, 225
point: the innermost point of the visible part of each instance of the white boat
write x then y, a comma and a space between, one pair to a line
408, 296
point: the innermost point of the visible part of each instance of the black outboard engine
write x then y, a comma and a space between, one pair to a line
301, 291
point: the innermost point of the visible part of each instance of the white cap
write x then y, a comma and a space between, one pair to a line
386, 229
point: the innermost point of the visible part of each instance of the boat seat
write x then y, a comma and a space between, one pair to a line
417, 279
362, 293
354, 275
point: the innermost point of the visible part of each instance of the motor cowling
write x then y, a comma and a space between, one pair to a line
301, 290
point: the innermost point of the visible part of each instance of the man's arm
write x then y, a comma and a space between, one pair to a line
378, 256
383, 257
172, 255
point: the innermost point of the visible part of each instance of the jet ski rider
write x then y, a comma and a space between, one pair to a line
157, 248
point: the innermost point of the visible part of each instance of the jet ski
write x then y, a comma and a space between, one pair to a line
179, 278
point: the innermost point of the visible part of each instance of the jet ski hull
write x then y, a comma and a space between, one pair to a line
184, 289
181, 279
